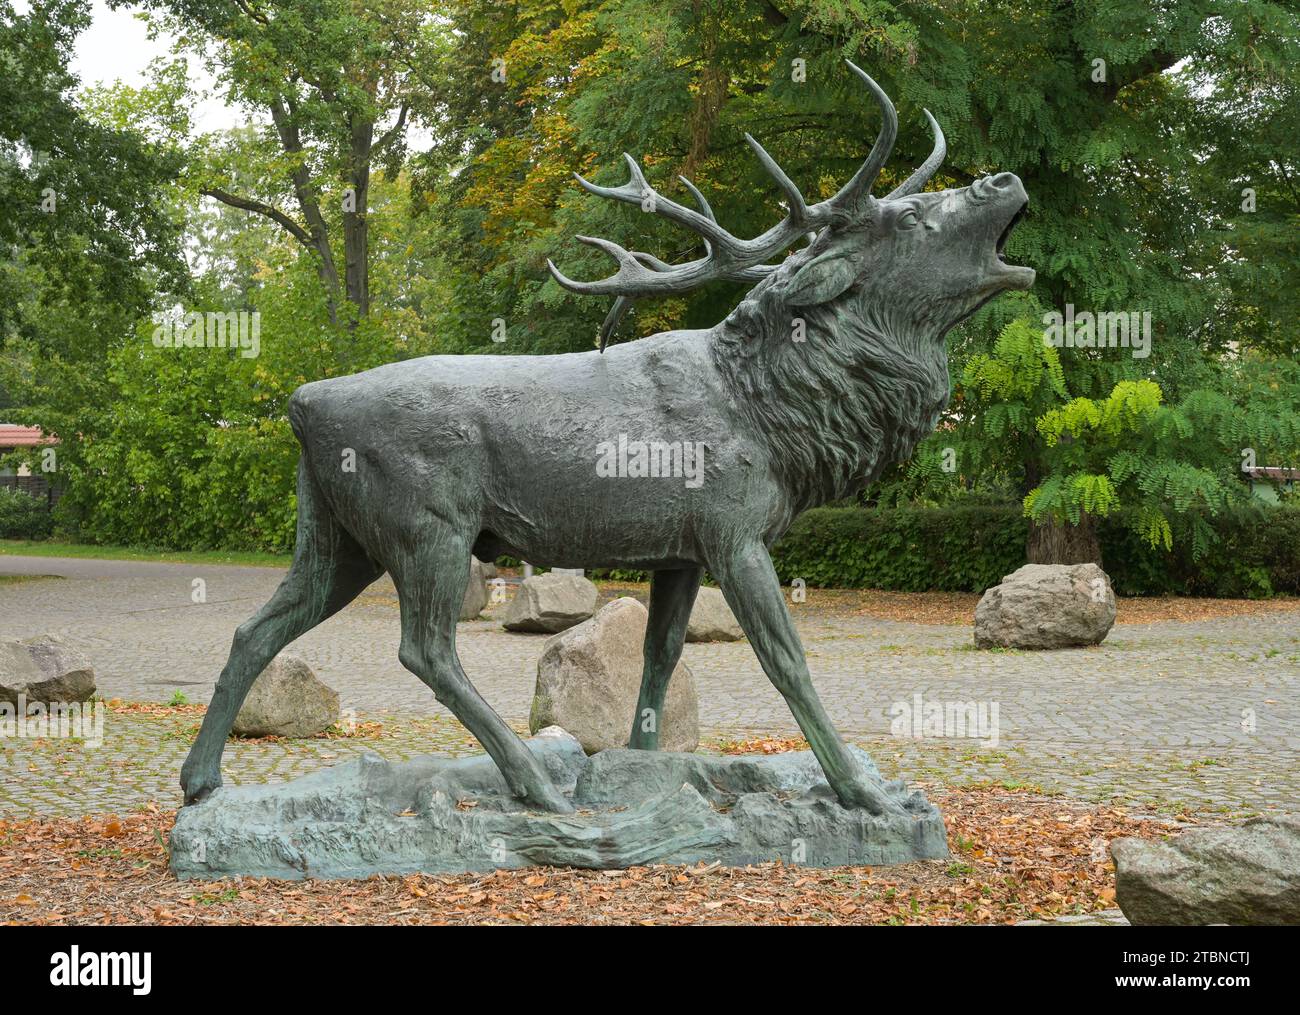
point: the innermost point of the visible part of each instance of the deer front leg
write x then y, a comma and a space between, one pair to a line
753, 592
672, 595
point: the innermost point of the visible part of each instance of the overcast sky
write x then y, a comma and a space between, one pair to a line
116, 47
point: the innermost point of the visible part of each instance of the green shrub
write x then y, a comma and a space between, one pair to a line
1256, 555
23, 516
967, 549
959, 549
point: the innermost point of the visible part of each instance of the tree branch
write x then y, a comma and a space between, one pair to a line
391, 133
274, 214
261, 19
318, 234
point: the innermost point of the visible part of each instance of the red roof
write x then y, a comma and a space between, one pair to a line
12, 436
1276, 473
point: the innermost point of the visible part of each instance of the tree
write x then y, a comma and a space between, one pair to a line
1164, 468
80, 196
338, 85
87, 232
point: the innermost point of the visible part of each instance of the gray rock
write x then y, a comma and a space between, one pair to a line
489, 569
589, 678
17, 671
1046, 606
441, 815
45, 669
476, 593
1099, 918
550, 603
1243, 875
712, 619
66, 671
287, 700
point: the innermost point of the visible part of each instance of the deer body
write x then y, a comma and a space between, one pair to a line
510, 445
832, 367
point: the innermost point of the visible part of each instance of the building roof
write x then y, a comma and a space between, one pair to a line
12, 436
1274, 473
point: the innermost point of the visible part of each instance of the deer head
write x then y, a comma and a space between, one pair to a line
917, 262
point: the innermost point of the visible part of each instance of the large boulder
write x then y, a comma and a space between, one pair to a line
589, 677
17, 671
1045, 606
712, 619
476, 592
1243, 875
286, 700
549, 603
67, 674
46, 669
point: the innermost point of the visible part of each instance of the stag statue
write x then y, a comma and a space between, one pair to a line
493, 455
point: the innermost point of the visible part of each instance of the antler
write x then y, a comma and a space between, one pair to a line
923, 173
728, 256
624, 303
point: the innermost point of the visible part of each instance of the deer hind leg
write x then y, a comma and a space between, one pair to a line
753, 592
329, 570
431, 585
672, 594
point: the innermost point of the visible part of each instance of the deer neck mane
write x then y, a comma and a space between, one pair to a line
837, 408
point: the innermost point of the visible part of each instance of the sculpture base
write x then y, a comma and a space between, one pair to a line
440, 815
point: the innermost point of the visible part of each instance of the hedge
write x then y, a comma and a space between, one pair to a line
967, 549
1256, 555
23, 516
954, 550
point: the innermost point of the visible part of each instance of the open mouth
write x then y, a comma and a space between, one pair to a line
1002, 240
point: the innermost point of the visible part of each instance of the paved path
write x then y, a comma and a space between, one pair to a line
1203, 714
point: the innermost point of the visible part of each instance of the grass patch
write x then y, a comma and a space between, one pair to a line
31, 548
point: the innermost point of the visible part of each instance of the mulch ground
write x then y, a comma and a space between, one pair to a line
1016, 856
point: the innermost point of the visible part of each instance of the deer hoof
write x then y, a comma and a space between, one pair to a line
863, 794
199, 787
547, 798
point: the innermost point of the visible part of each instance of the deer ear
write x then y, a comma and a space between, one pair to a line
821, 280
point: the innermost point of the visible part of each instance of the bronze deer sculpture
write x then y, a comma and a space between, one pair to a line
495, 455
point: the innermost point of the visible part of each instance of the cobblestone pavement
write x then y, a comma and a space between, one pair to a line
1177, 715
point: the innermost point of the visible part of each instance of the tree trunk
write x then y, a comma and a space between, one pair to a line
282, 113
356, 233
1052, 543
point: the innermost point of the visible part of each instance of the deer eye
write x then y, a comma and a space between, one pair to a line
909, 219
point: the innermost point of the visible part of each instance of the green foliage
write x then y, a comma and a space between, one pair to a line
23, 516
1001, 395
1255, 552
960, 549
80, 195
1014, 424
